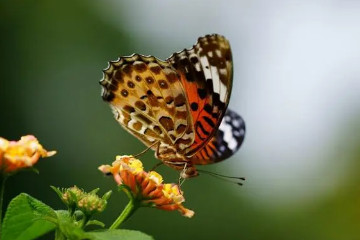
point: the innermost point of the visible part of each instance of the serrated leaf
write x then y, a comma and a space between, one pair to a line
27, 218
119, 234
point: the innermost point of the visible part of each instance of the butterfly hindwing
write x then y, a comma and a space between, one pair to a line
225, 142
206, 74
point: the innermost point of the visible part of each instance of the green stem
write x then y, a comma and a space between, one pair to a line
84, 221
126, 213
2, 189
59, 235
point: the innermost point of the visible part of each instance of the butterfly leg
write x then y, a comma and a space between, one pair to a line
156, 155
181, 177
148, 148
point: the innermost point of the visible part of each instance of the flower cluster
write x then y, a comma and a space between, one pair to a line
146, 187
16, 155
88, 203
91, 204
70, 196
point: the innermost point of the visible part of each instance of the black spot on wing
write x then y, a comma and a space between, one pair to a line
194, 106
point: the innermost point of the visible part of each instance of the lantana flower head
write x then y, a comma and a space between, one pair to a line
70, 196
146, 188
87, 202
16, 155
91, 204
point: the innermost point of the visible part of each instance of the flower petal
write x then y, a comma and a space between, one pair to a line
15, 155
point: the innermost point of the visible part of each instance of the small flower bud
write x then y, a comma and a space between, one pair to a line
72, 195
91, 204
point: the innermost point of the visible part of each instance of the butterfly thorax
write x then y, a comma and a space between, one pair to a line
174, 158
178, 162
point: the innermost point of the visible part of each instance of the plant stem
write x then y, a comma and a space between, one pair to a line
126, 213
84, 221
59, 235
2, 189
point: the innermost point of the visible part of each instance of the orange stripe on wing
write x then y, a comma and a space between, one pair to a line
203, 121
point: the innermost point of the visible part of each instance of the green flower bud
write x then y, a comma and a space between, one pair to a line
91, 204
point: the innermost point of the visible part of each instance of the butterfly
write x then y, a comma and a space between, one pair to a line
178, 107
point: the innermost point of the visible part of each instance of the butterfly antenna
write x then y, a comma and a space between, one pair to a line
224, 177
147, 149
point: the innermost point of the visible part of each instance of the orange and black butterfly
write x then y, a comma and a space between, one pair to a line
178, 107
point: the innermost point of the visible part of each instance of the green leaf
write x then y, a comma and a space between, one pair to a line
58, 191
94, 191
118, 234
27, 218
107, 195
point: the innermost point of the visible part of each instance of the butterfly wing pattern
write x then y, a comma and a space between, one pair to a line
178, 107
226, 141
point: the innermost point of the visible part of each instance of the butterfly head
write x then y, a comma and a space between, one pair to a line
189, 172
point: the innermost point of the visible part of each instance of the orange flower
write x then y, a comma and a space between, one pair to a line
15, 155
146, 187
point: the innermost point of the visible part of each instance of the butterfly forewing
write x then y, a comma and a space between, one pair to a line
148, 100
206, 74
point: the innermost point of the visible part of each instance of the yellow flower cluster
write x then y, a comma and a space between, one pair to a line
15, 155
146, 187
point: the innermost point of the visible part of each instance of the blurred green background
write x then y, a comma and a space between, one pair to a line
296, 83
